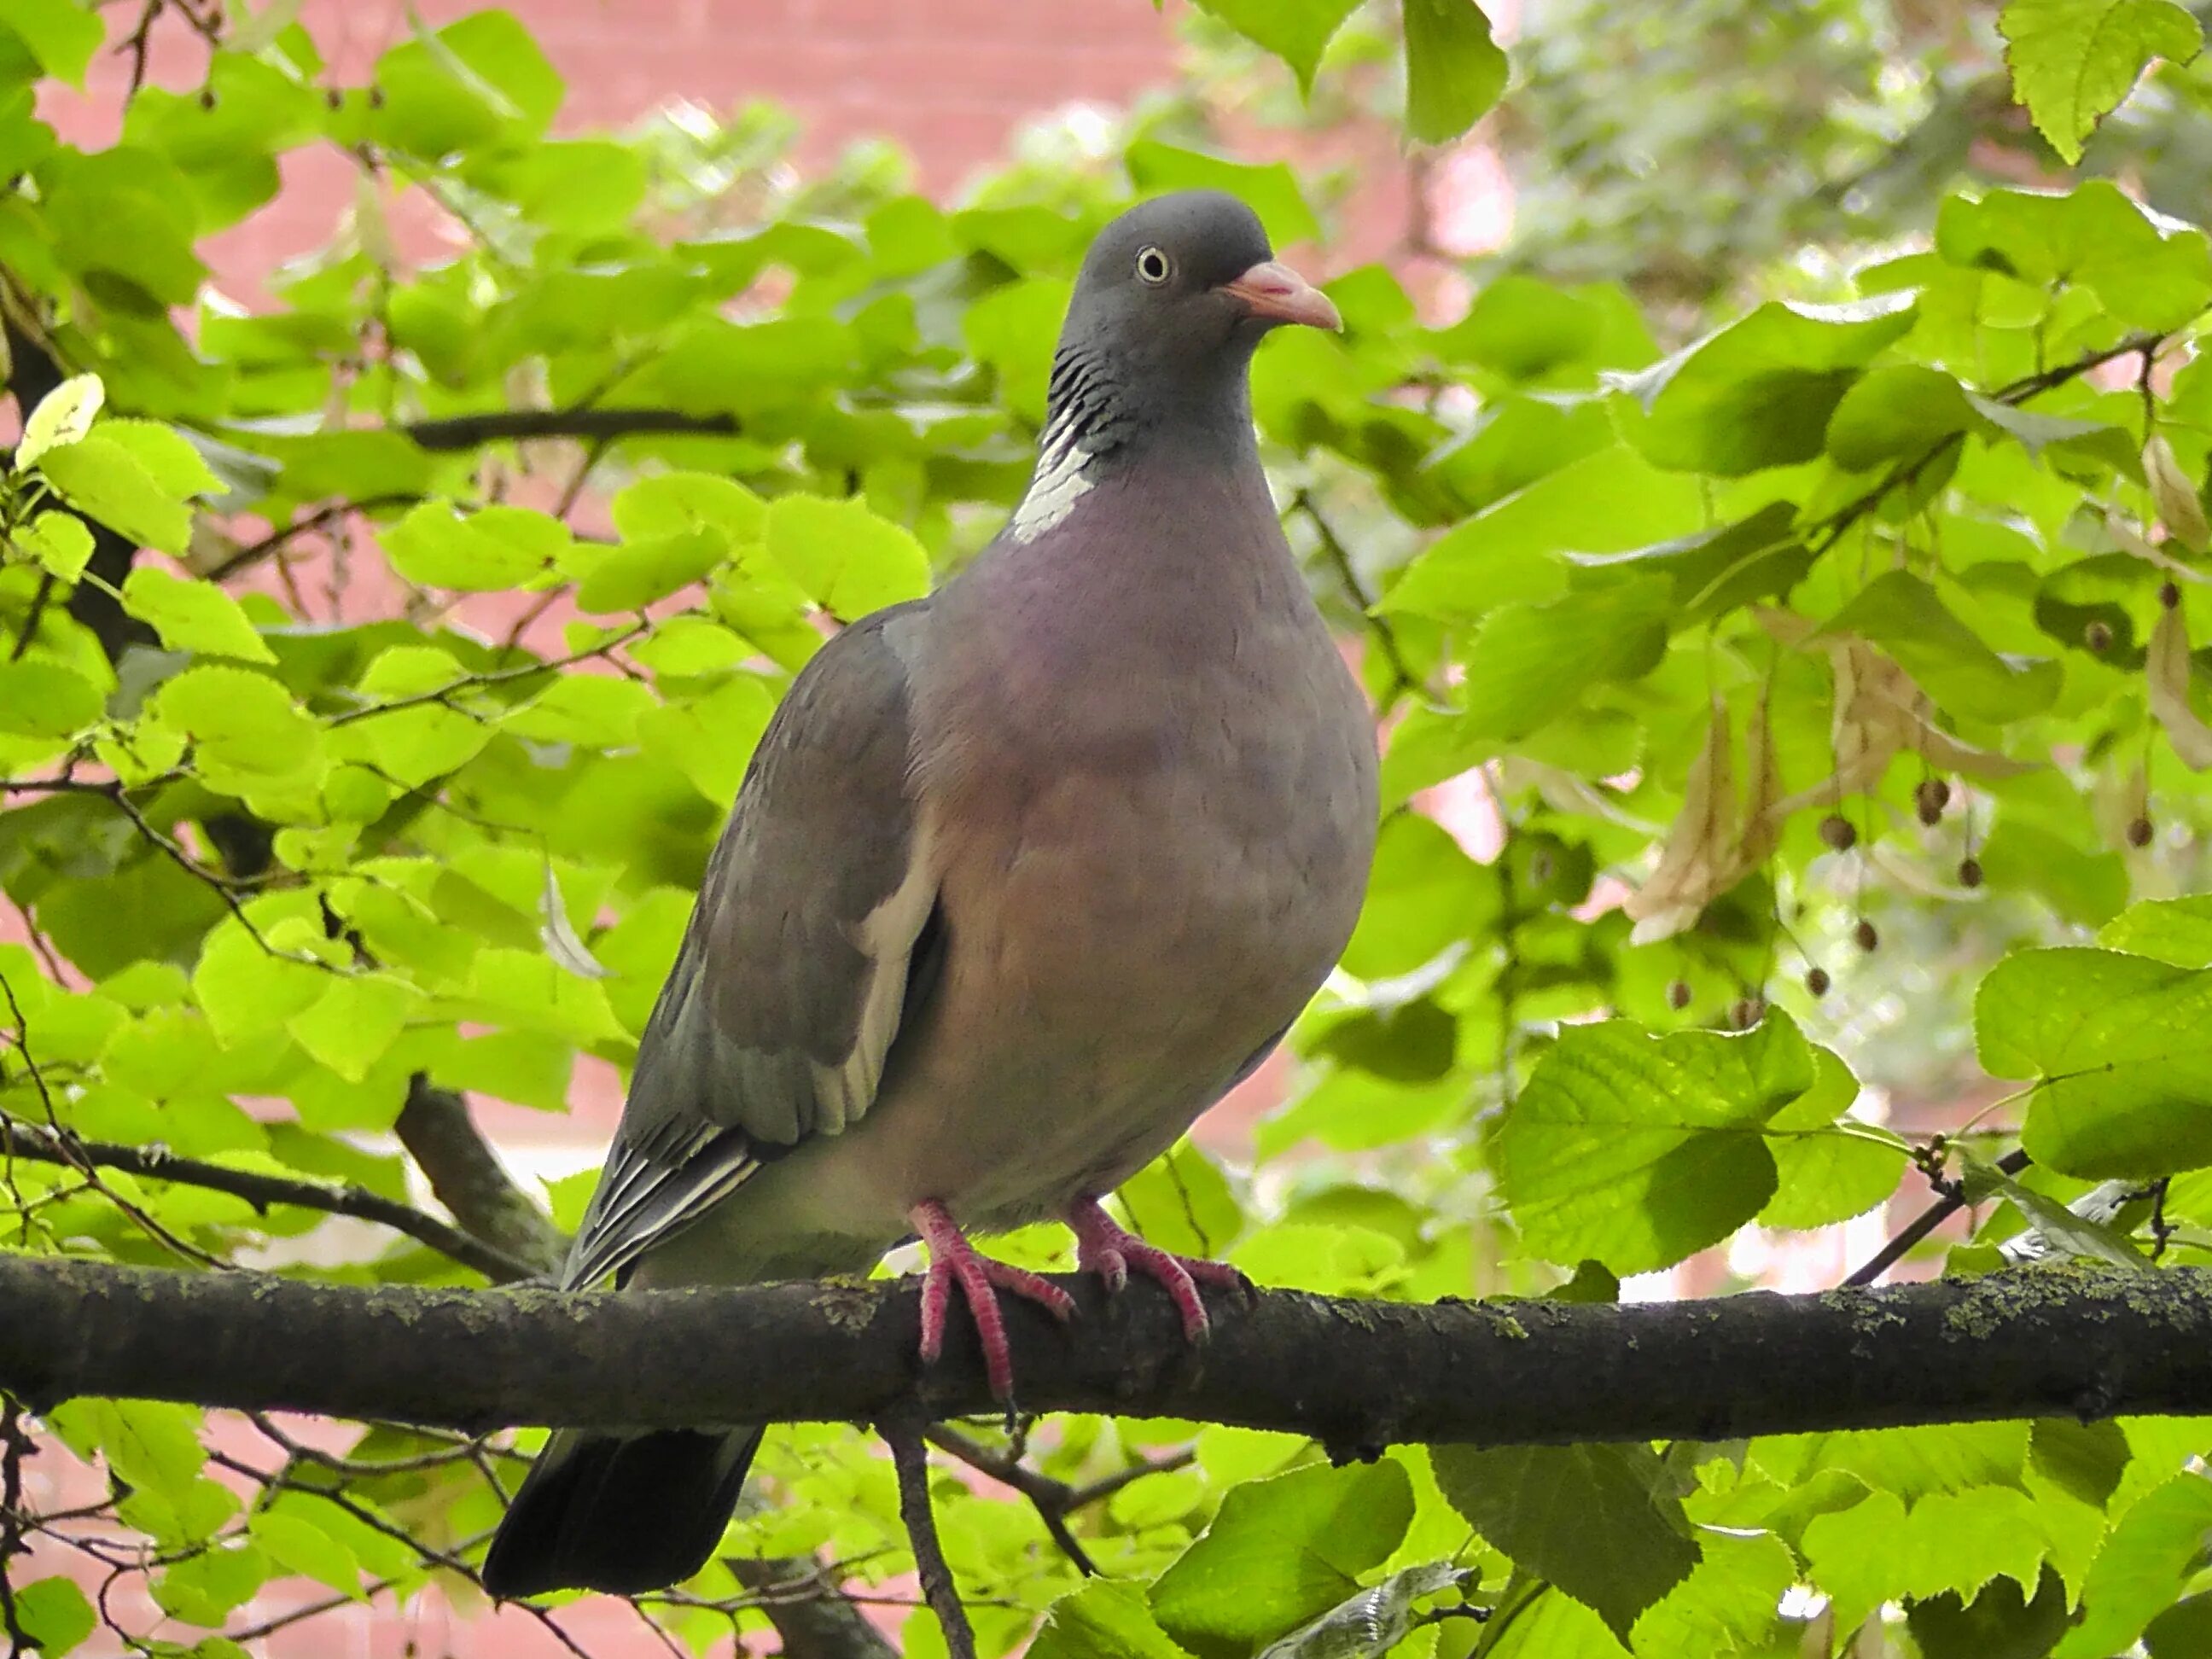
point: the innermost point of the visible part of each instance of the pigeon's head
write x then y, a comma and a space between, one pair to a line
1172, 298
1184, 278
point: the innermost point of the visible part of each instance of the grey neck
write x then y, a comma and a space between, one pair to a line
1100, 419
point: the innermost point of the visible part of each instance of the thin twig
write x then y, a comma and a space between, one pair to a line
1049, 1496
22, 1138
138, 45
34, 617
1095, 1490
253, 552
1926, 1223
1403, 678
440, 695
911, 1459
15, 1446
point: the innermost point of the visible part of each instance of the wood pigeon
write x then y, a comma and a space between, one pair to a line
1023, 877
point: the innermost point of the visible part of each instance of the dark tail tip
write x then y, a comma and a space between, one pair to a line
619, 1513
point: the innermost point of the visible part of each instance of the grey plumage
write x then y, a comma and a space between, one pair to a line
1022, 878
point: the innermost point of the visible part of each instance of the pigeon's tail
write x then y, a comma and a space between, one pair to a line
622, 1513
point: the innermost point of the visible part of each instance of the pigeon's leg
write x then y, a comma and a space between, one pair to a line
954, 1260
1103, 1246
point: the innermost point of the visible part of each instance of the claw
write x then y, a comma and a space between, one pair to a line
1111, 1251
953, 1261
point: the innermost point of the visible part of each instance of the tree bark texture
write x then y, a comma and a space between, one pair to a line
1360, 1376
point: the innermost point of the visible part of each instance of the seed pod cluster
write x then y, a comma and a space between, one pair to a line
1929, 800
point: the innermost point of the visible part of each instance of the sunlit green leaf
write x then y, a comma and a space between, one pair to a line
1281, 1550
1453, 70
1637, 1150
193, 615
2113, 1041
2074, 60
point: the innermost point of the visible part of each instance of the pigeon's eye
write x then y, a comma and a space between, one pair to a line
1153, 267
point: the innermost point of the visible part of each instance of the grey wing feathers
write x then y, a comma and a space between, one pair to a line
788, 990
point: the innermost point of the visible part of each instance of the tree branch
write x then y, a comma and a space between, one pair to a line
470, 1181
19, 1139
911, 1459
1926, 1223
593, 425
2065, 1340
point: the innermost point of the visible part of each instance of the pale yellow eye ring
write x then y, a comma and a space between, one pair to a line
1153, 266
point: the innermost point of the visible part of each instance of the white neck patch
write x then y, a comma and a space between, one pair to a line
1061, 479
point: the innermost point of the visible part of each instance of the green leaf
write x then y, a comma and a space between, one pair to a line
350, 1027
1635, 1150
2088, 1460
1760, 391
1716, 570
1912, 1463
1283, 1550
2176, 930
192, 616
436, 547
203, 1589
63, 416
1528, 666
1895, 414
240, 721
2033, 430
848, 560
2073, 61
2062, 1228
54, 1614
1599, 1522
2116, 1044
60, 541
171, 460
146, 1442
1425, 895
1454, 70
1104, 1619
2147, 274
1270, 190
1825, 1174
2148, 1558
2002, 1622
1900, 613
670, 503
1296, 30
61, 33
635, 575
105, 481
1729, 1603
299, 1545
40, 699
1181, 1202
1528, 331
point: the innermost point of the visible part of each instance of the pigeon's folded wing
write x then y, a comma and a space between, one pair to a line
811, 940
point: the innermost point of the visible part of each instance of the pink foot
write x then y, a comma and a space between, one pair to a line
1106, 1248
953, 1259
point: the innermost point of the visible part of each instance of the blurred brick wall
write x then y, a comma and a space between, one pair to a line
949, 80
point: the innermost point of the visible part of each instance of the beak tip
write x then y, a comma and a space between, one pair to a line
1273, 291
